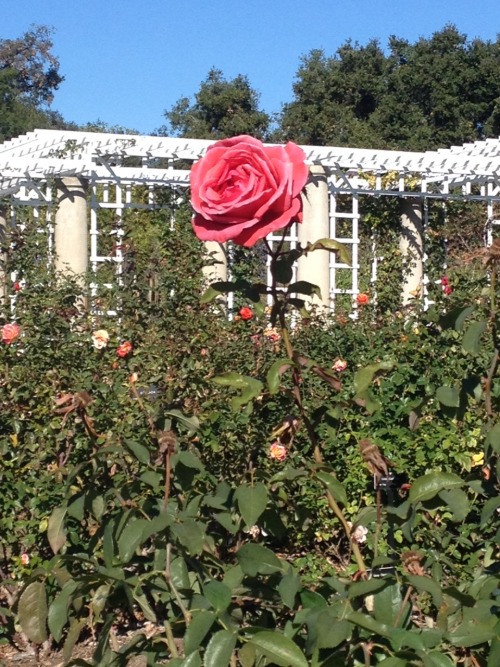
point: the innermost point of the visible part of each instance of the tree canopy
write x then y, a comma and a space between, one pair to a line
221, 108
29, 75
439, 91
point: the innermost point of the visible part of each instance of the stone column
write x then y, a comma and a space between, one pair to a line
315, 267
411, 246
217, 271
71, 227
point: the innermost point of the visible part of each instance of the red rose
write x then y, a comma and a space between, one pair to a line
246, 313
362, 299
124, 349
10, 332
242, 190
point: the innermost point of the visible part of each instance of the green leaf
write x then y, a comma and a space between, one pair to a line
197, 630
422, 583
283, 269
192, 423
275, 372
303, 287
256, 559
471, 633
141, 452
493, 438
219, 650
429, 485
472, 337
131, 538
435, 659
99, 599
218, 594
489, 508
387, 605
252, 501
32, 612
333, 485
55, 530
249, 386
457, 501
279, 649
448, 396
369, 623
288, 587
72, 637
368, 587
190, 534
58, 610
332, 246
216, 289
364, 377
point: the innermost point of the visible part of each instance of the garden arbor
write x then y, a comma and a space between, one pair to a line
69, 178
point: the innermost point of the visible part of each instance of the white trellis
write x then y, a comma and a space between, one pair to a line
109, 166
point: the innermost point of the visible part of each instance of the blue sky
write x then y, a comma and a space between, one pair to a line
126, 61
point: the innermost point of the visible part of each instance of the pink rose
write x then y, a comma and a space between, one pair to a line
242, 191
10, 332
339, 365
124, 349
277, 451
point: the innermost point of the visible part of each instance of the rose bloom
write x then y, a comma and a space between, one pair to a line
25, 559
277, 451
10, 332
359, 534
246, 313
339, 365
124, 349
273, 335
242, 191
362, 299
100, 339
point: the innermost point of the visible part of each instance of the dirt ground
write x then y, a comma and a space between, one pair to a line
10, 657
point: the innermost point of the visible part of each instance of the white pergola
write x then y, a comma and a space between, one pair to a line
109, 166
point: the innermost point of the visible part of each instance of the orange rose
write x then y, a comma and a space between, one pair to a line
362, 299
124, 349
10, 332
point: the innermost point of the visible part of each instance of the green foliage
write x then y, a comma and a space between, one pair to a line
436, 92
151, 500
221, 109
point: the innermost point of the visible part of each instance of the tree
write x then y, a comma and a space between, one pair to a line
437, 92
29, 75
221, 109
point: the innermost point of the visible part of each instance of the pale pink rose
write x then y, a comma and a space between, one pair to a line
25, 559
359, 534
277, 451
100, 339
339, 365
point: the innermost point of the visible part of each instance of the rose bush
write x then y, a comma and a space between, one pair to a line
242, 190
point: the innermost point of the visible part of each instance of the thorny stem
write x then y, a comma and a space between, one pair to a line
318, 458
171, 640
494, 336
167, 479
402, 606
175, 592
